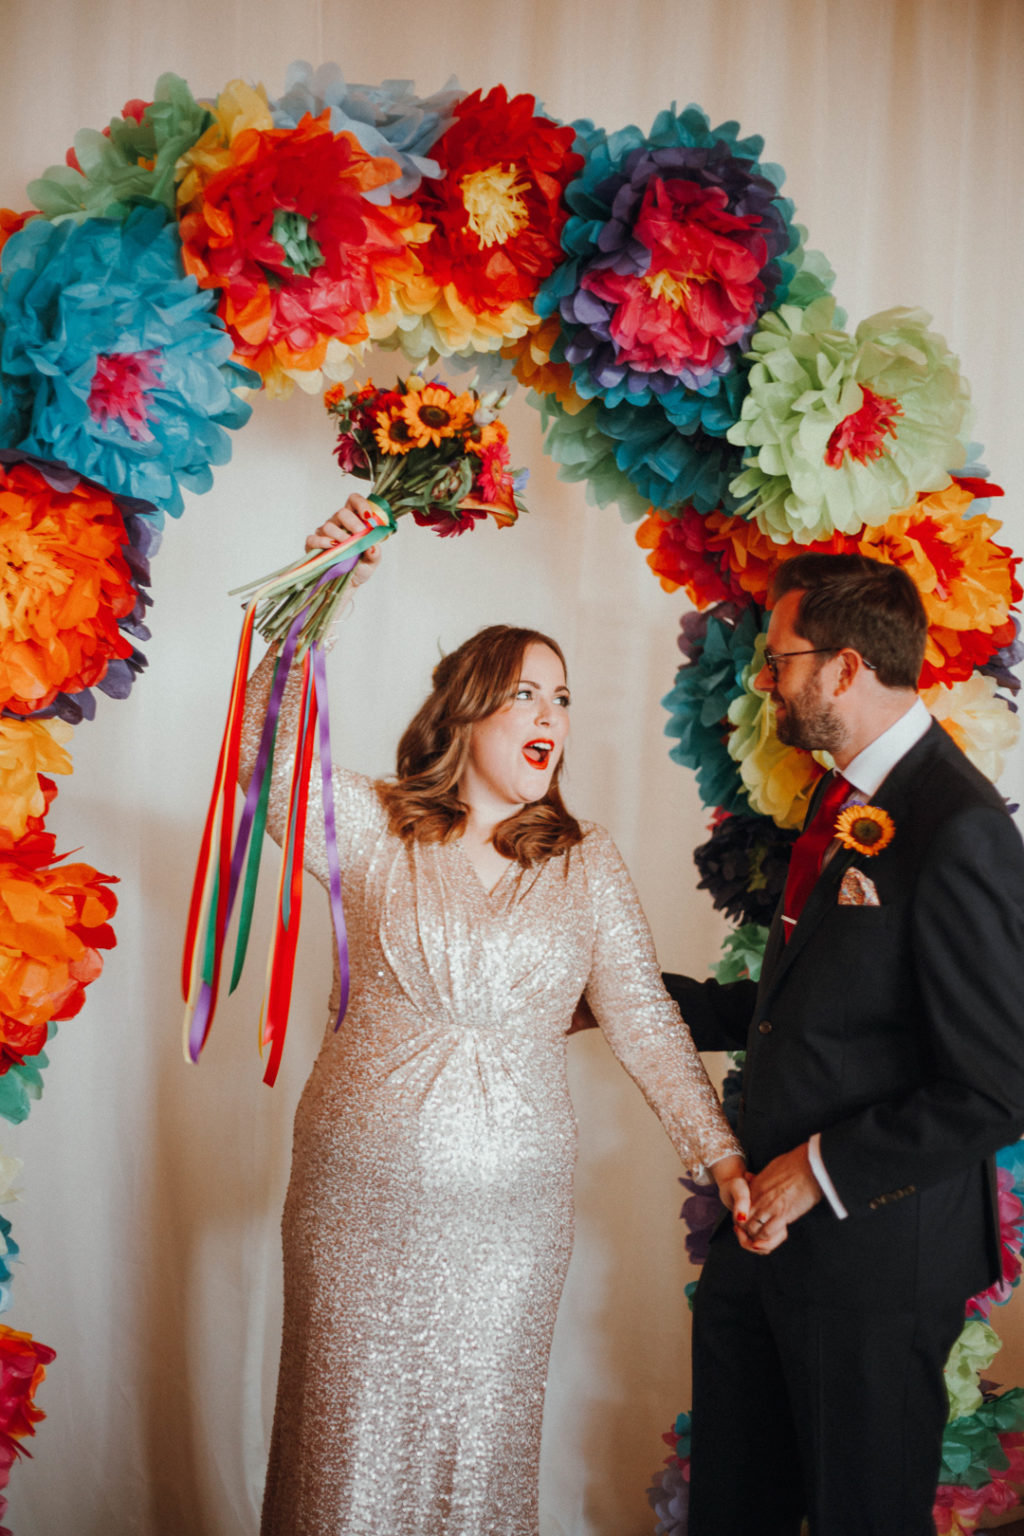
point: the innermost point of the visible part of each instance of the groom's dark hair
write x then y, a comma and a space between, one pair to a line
849, 600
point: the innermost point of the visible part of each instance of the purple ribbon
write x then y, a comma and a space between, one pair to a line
197, 1028
330, 831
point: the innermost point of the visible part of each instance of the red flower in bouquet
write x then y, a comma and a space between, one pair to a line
365, 405
54, 920
351, 458
445, 523
496, 214
493, 478
279, 223
65, 584
494, 484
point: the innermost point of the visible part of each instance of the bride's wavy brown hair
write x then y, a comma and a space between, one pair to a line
422, 801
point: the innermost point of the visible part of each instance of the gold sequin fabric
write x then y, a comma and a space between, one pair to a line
428, 1222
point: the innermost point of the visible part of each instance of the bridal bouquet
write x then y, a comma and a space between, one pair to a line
424, 449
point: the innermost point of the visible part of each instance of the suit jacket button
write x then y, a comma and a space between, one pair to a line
764, 1027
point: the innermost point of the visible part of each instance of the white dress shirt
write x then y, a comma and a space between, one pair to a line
865, 775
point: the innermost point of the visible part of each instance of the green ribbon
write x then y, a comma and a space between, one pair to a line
252, 870
210, 946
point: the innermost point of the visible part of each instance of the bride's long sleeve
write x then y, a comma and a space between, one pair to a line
642, 1024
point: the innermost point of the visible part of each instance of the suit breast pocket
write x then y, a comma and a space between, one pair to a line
858, 941
866, 917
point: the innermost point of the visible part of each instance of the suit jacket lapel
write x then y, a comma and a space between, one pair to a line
777, 950
773, 952
818, 902
890, 796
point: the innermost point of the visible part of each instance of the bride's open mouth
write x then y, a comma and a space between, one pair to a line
538, 753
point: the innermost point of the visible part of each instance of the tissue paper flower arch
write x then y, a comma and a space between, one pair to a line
653, 293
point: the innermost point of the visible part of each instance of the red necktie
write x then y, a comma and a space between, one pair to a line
809, 849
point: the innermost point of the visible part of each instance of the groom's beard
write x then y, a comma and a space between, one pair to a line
806, 720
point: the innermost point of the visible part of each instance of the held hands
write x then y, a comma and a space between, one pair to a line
354, 517
730, 1174
782, 1192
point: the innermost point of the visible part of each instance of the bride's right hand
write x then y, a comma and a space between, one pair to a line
355, 516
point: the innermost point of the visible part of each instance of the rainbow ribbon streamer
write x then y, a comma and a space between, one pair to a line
223, 852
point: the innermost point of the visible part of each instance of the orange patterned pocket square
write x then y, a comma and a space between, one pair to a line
857, 890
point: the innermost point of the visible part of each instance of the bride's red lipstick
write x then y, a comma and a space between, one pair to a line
538, 752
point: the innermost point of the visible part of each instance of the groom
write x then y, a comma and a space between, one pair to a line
885, 1066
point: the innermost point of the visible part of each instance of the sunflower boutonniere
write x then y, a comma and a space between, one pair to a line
866, 829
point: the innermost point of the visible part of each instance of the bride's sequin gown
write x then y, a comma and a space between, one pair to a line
428, 1222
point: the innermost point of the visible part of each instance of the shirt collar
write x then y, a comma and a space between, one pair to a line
870, 767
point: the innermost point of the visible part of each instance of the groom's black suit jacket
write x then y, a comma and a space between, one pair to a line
897, 1031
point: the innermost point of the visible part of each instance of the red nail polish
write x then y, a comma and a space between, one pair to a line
741, 1216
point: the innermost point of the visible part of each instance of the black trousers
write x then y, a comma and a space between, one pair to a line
805, 1409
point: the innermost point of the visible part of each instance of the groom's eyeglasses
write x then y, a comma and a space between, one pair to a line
772, 658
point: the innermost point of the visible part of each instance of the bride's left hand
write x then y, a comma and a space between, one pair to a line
730, 1174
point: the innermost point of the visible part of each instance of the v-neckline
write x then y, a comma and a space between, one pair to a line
471, 868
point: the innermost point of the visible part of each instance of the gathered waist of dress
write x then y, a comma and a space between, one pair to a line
409, 1061
459, 1118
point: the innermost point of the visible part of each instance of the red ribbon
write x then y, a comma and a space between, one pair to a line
274, 1022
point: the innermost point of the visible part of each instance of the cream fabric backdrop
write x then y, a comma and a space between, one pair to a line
152, 1190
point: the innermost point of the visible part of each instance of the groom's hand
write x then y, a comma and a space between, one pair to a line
780, 1194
